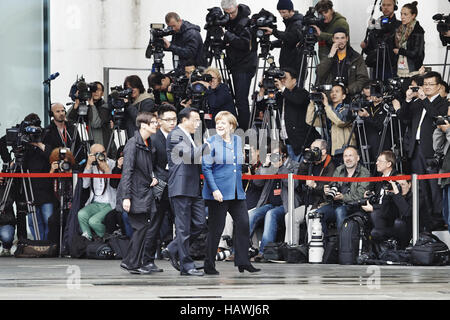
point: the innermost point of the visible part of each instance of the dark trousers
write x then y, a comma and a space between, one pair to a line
241, 86
383, 225
429, 190
142, 247
190, 222
166, 231
217, 212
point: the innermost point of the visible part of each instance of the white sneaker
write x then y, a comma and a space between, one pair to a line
6, 253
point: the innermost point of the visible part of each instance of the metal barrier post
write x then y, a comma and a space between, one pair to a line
415, 211
291, 205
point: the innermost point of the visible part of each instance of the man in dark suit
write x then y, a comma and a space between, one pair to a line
167, 118
420, 112
184, 159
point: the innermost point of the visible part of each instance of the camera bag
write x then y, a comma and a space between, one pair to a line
352, 238
331, 252
273, 251
99, 250
429, 250
294, 253
35, 249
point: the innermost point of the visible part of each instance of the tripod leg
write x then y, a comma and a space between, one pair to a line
30, 205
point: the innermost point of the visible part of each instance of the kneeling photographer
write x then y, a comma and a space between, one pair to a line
342, 194
32, 155
441, 144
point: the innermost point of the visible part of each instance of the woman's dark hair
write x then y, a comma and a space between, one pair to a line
134, 82
144, 117
412, 7
155, 79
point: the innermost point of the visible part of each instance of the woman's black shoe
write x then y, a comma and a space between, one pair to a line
249, 268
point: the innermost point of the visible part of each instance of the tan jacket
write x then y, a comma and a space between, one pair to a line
340, 130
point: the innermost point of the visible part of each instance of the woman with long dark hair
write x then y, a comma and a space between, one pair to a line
409, 42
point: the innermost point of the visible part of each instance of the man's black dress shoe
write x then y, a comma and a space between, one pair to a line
249, 268
152, 267
192, 272
211, 271
173, 261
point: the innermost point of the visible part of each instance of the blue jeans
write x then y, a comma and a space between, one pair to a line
272, 217
241, 87
291, 153
43, 212
7, 236
333, 213
126, 223
446, 205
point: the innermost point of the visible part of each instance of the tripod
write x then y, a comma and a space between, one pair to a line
382, 47
81, 128
397, 148
359, 127
117, 129
309, 61
62, 202
17, 167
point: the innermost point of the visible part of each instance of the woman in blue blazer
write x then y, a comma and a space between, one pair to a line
223, 193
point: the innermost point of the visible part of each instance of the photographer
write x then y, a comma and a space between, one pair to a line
61, 161
421, 113
343, 64
341, 127
441, 144
341, 194
140, 101
61, 133
161, 85
316, 162
187, 43
290, 39
98, 115
36, 161
292, 102
241, 56
333, 20
102, 196
381, 41
409, 47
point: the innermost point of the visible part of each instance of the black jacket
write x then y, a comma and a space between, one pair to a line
415, 49
220, 99
296, 104
137, 175
290, 54
412, 111
241, 46
143, 103
160, 156
187, 44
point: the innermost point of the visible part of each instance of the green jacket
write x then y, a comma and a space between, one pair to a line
357, 189
357, 76
326, 34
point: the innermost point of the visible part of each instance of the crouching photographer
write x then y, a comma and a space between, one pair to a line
342, 194
441, 144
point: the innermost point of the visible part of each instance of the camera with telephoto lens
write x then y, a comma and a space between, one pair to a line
63, 164
311, 18
443, 23
334, 189
434, 162
440, 120
315, 237
312, 155
387, 186
371, 196
99, 156
215, 20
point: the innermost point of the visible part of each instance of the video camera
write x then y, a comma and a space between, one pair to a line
117, 104
443, 23
82, 91
196, 91
268, 82
389, 90
317, 90
381, 28
19, 136
215, 20
311, 19
263, 18
155, 46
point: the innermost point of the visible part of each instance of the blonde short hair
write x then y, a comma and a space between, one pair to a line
214, 71
228, 116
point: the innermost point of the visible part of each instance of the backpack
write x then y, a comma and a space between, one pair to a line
331, 252
99, 250
353, 238
429, 250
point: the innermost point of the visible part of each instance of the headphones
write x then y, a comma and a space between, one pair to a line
395, 5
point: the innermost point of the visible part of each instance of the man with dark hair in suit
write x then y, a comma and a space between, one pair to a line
421, 112
167, 118
184, 159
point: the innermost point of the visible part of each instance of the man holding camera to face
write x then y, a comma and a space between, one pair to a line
342, 194
102, 198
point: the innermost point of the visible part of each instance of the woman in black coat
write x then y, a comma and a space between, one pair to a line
135, 196
409, 42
